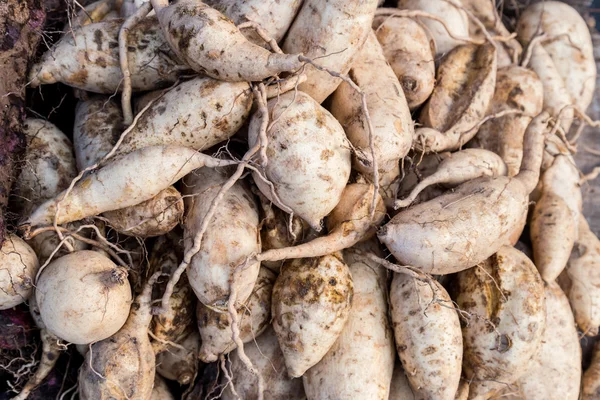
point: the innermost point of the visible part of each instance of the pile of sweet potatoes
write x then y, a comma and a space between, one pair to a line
287, 199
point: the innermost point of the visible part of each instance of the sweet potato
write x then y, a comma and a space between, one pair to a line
455, 18
83, 275
18, 268
88, 59
267, 358
98, 125
274, 16
48, 166
553, 233
211, 44
556, 95
466, 79
520, 89
410, 53
134, 178
591, 378
487, 12
458, 168
125, 360
231, 237
392, 124
555, 221
555, 370
332, 34
303, 137
580, 280
178, 320
254, 317
460, 229
312, 298
570, 46
503, 300
198, 114
365, 340
428, 336
180, 363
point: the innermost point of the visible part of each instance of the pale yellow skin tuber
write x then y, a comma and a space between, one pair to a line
503, 301
18, 268
462, 228
312, 298
83, 275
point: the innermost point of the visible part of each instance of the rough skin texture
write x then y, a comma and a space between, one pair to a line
89, 59
428, 337
231, 236
581, 280
312, 298
180, 363
267, 358
197, 114
365, 340
410, 53
309, 160
254, 317
330, 32
504, 299
460, 229
466, 79
555, 370
18, 268
211, 44
392, 123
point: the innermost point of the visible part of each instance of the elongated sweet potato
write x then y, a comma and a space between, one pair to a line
274, 16
211, 44
570, 46
460, 229
231, 236
555, 370
580, 280
428, 337
410, 53
331, 33
504, 299
198, 114
312, 298
134, 178
88, 59
392, 124
365, 340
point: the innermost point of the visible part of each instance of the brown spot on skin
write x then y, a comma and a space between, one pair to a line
98, 39
79, 78
429, 350
100, 61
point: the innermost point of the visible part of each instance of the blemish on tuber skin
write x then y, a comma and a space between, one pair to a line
311, 301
